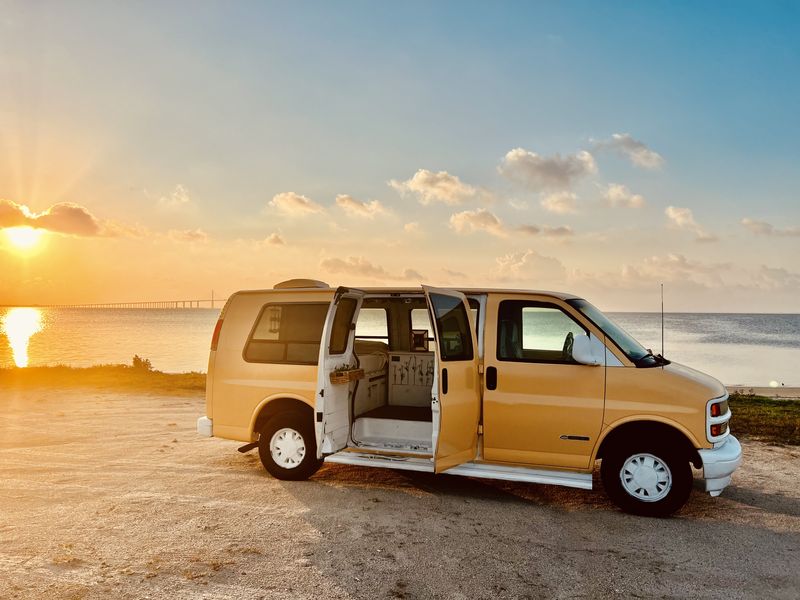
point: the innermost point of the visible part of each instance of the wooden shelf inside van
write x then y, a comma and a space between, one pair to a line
347, 376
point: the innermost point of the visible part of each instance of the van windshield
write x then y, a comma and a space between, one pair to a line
626, 342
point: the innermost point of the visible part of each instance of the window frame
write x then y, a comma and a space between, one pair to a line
533, 304
285, 343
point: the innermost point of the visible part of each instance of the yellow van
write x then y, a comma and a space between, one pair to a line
500, 384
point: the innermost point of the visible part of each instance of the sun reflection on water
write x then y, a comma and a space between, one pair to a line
19, 325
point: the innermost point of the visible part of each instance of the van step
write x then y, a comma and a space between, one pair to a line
480, 470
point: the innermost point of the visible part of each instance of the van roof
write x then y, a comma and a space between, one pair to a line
411, 290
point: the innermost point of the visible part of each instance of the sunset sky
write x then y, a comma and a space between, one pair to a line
165, 150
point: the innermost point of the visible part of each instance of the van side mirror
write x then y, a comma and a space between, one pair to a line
585, 352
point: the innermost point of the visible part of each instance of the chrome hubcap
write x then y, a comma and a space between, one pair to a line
287, 448
646, 477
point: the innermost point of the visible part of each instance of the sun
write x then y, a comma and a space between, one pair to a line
23, 238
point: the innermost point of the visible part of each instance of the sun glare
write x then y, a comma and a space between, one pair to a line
23, 238
19, 325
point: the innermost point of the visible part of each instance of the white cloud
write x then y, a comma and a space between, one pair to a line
188, 235
618, 195
179, 198
292, 204
357, 208
481, 219
682, 218
637, 152
412, 227
358, 266
546, 172
438, 187
529, 267
768, 229
561, 203
274, 239
64, 217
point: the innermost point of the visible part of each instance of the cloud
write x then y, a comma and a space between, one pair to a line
452, 273
560, 203
764, 228
274, 239
65, 217
481, 219
295, 205
357, 208
618, 195
546, 172
529, 266
682, 218
438, 187
359, 266
412, 274
412, 227
561, 231
354, 265
179, 198
188, 235
634, 150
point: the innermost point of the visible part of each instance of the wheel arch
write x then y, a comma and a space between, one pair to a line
648, 427
275, 404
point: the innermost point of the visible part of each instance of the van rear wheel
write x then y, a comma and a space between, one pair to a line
647, 479
287, 447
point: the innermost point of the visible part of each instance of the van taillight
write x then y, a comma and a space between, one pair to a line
215, 337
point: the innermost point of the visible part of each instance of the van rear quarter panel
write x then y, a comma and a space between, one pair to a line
240, 387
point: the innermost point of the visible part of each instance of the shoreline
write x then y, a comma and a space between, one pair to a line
195, 380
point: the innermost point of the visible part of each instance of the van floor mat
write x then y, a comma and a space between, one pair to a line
400, 413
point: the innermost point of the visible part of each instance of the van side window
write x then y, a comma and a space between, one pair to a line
529, 331
342, 322
420, 319
454, 327
373, 324
287, 333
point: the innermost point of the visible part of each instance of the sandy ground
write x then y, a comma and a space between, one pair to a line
115, 496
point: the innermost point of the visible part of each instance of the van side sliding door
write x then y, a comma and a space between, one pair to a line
458, 391
336, 351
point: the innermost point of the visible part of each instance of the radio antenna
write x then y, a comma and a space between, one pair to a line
662, 326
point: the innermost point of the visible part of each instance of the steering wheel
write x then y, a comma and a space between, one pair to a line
566, 351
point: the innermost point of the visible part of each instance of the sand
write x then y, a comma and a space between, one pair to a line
115, 496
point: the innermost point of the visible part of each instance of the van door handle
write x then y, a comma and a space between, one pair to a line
491, 378
444, 381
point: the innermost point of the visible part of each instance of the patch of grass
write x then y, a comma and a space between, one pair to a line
107, 377
766, 419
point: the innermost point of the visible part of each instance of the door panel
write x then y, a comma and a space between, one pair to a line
457, 387
539, 407
332, 419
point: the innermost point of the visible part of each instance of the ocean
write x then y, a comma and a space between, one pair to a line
738, 349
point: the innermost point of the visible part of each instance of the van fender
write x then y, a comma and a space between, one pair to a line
279, 396
641, 418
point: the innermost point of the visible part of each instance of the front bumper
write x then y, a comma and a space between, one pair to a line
205, 426
719, 464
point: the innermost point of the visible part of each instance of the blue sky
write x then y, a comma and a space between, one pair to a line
193, 117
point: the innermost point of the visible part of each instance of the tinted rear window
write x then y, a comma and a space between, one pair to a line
287, 333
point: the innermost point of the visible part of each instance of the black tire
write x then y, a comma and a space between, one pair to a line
679, 470
303, 425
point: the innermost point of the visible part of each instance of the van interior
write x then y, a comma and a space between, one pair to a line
391, 405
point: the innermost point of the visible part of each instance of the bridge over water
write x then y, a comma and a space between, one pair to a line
191, 303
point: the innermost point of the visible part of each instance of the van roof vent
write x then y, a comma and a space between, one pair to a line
299, 283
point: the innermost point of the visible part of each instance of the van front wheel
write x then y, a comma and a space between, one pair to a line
648, 480
288, 448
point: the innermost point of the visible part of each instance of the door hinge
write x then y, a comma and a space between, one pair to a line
480, 368
480, 428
